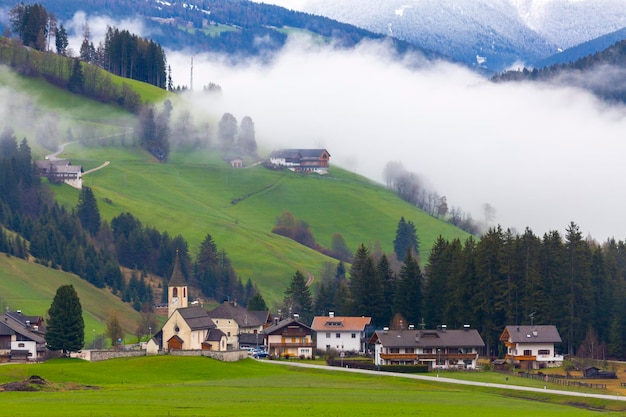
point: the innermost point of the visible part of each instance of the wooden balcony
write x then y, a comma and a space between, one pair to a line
399, 356
448, 356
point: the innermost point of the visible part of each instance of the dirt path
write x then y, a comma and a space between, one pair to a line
96, 168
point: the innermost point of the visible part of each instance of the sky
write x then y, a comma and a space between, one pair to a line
542, 156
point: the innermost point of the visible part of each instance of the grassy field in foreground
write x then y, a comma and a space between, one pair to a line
175, 386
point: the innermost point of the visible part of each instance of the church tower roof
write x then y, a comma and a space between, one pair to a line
177, 279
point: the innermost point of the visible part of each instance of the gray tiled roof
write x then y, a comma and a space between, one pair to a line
533, 334
215, 335
285, 323
196, 317
20, 328
243, 317
429, 338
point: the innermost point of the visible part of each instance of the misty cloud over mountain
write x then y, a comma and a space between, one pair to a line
488, 34
541, 155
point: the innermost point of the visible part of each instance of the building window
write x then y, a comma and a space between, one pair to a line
327, 335
428, 350
394, 350
228, 334
354, 335
528, 352
21, 345
337, 335
544, 351
409, 350
175, 292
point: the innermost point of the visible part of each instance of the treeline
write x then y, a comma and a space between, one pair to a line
600, 73
506, 279
121, 53
232, 27
72, 74
131, 56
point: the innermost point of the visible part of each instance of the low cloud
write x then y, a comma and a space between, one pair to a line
539, 155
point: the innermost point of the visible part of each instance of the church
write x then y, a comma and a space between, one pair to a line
186, 328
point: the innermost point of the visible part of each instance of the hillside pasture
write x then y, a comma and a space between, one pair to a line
239, 207
31, 288
177, 386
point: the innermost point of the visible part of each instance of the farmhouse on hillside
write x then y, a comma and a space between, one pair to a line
61, 170
300, 160
531, 347
289, 338
441, 348
343, 334
22, 338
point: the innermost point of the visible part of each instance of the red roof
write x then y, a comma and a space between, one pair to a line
340, 323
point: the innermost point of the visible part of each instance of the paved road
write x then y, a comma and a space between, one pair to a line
451, 381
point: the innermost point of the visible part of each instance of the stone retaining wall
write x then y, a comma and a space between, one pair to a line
103, 355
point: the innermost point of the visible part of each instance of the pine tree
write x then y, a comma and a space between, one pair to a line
65, 329
256, 303
61, 41
298, 298
406, 239
76, 81
87, 211
408, 299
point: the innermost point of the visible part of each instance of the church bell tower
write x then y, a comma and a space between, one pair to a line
176, 289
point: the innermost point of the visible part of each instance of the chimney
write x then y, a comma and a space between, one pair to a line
385, 330
331, 314
444, 327
466, 327
411, 327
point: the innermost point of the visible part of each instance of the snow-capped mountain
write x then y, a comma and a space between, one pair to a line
491, 34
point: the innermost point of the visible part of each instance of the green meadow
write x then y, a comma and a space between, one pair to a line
31, 288
196, 194
176, 386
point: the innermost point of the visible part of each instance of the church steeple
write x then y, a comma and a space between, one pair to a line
176, 288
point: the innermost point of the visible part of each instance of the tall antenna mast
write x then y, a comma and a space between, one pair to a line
191, 77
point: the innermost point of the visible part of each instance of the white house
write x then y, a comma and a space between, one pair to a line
532, 347
440, 348
344, 334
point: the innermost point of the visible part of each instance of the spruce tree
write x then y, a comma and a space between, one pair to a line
298, 298
257, 303
406, 239
408, 300
65, 329
87, 211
